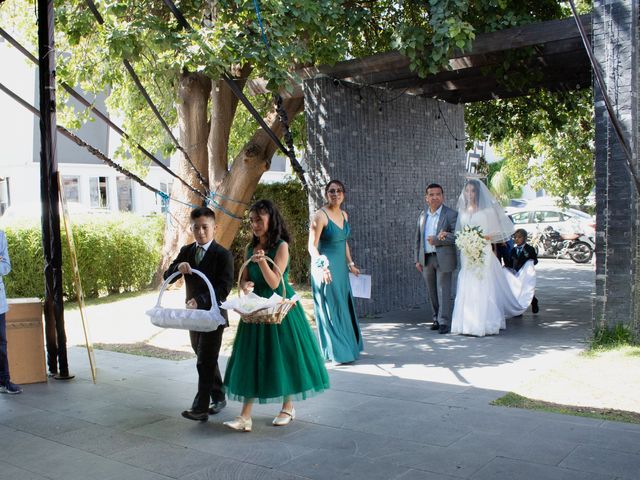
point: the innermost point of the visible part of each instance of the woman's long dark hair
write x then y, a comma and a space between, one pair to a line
336, 182
277, 228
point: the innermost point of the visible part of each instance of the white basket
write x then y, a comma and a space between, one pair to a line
187, 318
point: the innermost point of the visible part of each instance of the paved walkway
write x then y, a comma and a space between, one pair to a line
415, 407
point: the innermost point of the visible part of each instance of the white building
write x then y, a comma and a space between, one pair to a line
85, 179
87, 182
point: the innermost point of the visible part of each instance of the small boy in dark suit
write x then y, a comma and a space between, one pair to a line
520, 254
216, 263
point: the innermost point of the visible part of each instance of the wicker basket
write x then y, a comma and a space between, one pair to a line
187, 318
269, 315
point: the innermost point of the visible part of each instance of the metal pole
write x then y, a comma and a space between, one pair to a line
49, 194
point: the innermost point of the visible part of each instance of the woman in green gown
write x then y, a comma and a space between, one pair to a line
272, 362
340, 336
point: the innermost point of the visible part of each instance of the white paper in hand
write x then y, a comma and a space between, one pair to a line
360, 285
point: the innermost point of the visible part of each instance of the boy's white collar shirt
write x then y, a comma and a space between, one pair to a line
205, 246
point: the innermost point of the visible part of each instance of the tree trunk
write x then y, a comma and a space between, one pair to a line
223, 109
193, 125
207, 147
240, 182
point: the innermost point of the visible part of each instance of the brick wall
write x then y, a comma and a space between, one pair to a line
385, 148
615, 41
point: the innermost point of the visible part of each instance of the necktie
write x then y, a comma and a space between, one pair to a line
200, 251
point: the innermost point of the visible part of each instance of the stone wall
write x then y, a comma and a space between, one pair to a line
385, 147
615, 41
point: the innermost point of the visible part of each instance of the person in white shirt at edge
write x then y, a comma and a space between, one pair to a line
435, 255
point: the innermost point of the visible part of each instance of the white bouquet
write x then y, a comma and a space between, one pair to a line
471, 242
251, 303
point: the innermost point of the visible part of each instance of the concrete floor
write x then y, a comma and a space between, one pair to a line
416, 406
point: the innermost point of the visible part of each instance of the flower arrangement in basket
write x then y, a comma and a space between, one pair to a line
187, 318
471, 242
253, 308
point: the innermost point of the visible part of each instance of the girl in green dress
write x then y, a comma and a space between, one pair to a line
272, 363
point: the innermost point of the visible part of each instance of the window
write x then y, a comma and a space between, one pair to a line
98, 190
71, 188
125, 194
522, 217
547, 216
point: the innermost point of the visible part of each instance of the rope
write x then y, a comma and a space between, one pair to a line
281, 112
98, 113
264, 35
152, 105
282, 115
228, 199
214, 204
94, 151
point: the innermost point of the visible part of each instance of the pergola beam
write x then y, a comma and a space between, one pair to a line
555, 45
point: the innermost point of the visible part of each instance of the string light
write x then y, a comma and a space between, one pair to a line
381, 101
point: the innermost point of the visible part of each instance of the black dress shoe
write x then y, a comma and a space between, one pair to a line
534, 305
197, 416
216, 407
444, 329
435, 325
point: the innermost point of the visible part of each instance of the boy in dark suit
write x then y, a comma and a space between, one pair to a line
520, 254
216, 263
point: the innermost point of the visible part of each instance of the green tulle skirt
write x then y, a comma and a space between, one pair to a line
272, 363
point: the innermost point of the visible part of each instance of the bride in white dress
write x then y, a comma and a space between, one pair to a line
487, 294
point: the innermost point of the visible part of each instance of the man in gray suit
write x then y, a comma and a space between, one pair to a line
435, 254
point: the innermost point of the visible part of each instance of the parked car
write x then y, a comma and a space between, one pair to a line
535, 218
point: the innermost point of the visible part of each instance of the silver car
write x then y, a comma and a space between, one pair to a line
535, 218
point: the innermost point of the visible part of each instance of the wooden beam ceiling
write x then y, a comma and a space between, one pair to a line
552, 53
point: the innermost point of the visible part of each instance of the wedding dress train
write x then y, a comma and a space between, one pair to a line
488, 295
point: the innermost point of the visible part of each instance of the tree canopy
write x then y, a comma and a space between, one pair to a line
301, 32
227, 37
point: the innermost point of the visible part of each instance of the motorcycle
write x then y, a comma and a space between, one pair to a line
551, 243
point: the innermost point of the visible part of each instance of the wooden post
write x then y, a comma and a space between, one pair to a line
49, 194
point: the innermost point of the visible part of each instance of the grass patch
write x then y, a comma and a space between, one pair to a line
632, 351
144, 350
606, 338
514, 400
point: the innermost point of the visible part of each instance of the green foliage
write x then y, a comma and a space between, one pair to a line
303, 33
501, 185
228, 35
115, 253
292, 202
545, 138
609, 338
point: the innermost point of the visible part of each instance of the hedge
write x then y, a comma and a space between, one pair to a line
115, 253
291, 200
122, 252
